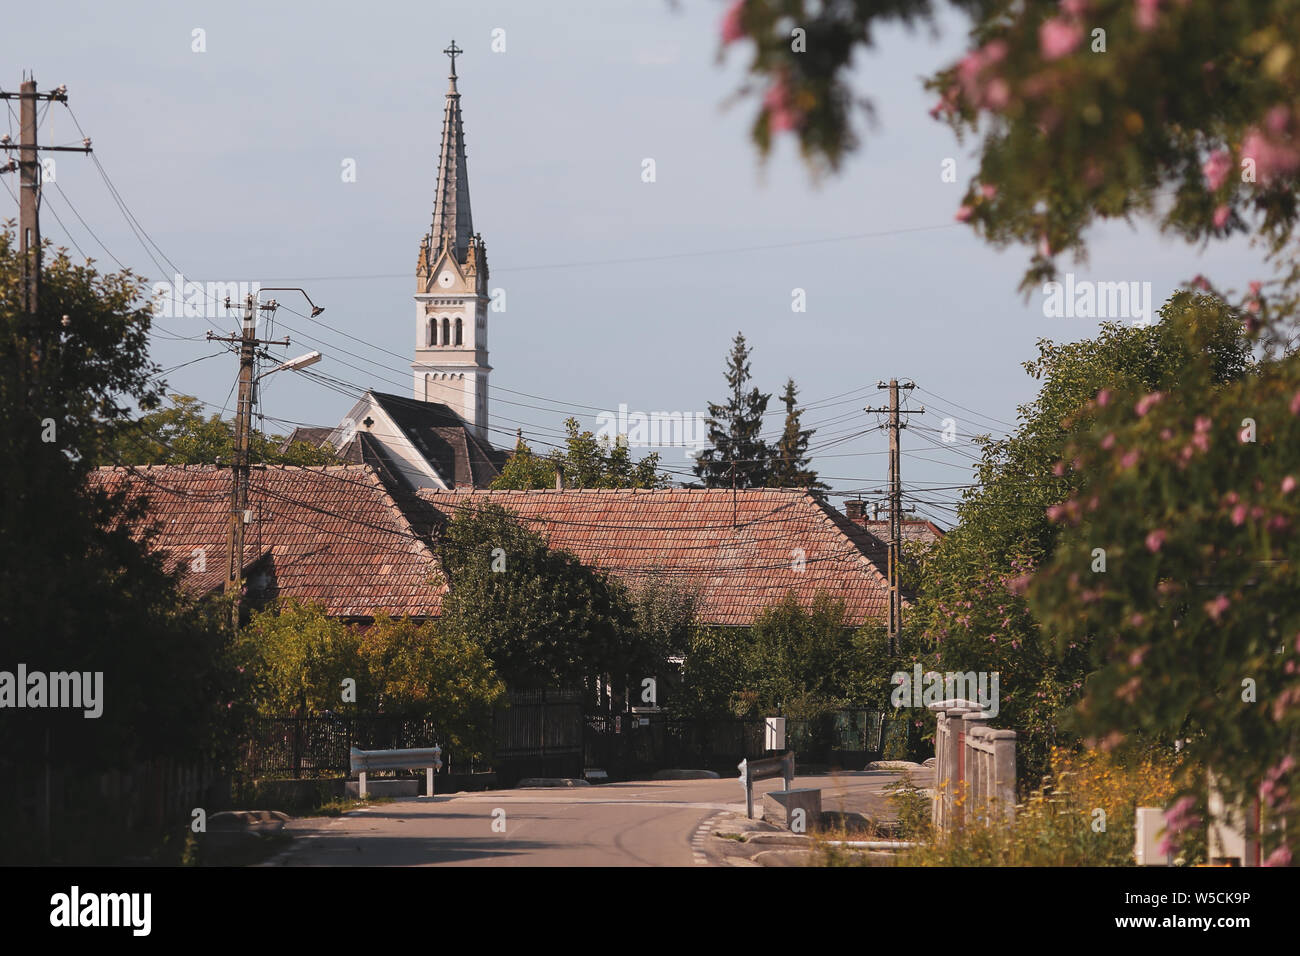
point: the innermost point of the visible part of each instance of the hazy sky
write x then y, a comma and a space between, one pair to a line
618, 291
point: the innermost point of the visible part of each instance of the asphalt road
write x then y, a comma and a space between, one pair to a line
660, 823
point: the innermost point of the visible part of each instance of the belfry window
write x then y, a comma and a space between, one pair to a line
459, 338
446, 332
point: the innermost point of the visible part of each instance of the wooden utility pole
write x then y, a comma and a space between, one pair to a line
28, 166
895, 504
248, 342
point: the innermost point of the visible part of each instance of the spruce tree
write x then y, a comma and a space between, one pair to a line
734, 431
790, 461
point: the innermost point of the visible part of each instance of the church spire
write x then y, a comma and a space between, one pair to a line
452, 222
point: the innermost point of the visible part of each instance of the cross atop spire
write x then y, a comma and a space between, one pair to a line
452, 221
453, 51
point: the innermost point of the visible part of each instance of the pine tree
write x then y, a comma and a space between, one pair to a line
734, 431
790, 461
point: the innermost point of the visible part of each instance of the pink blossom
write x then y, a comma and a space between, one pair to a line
964, 213
1109, 441
1279, 857
1288, 484
1104, 396
1200, 282
1278, 120
1216, 607
993, 52
1147, 14
1239, 515
1135, 659
731, 26
1130, 459
781, 113
1058, 37
1146, 402
1273, 159
997, 94
1074, 8
988, 191
1203, 424
1156, 540
1295, 404
1058, 469
1253, 306
1217, 168
1166, 434
1135, 620
1221, 214
1254, 288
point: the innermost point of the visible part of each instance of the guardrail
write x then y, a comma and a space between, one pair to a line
751, 770
361, 761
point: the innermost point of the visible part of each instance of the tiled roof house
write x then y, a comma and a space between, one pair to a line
331, 534
344, 537
740, 551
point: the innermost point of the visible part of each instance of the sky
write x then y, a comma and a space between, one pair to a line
617, 291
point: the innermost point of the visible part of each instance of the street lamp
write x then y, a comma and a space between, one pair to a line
302, 361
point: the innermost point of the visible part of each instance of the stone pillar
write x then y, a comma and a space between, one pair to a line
973, 786
1004, 770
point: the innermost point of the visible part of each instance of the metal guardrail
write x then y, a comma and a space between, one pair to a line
751, 770
361, 761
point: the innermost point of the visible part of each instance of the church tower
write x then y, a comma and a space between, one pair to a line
451, 297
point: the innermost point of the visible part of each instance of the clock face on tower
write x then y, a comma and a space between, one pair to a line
445, 279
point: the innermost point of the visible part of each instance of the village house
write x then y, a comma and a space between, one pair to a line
343, 536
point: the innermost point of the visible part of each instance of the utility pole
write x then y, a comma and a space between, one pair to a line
240, 469
248, 342
895, 503
28, 166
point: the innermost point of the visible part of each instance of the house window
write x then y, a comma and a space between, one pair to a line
459, 340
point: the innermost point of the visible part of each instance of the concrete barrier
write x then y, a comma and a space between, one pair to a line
796, 810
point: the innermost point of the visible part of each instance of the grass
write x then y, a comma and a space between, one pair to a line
1082, 816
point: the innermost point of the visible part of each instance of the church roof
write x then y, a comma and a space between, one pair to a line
442, 437
740, 551
451, 210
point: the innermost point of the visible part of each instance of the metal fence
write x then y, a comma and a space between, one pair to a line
311, 746
630, 745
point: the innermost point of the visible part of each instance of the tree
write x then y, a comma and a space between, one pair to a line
1194, 624
297, 659
543, 617
801, 658
801, 662
585, 462
181, 435
967, 606
790, 463
428, 670
1085, 110
79, 588
737, 454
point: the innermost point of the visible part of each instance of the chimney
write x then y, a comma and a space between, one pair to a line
559, 478
855, 510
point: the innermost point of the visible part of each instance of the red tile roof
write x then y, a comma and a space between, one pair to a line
740, 552
330, 534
